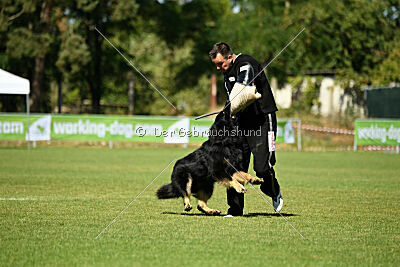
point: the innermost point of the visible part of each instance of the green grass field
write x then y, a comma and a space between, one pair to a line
346, 204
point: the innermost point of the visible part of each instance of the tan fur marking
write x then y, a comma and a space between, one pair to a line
244, 178
186, 198
232, 184
240, 177
189, 186
202, 204
224, 182
238, 186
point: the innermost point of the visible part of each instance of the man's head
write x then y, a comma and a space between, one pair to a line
222, 56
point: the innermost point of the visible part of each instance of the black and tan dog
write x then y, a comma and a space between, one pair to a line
196, 173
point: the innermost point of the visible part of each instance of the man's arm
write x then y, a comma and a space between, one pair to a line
241, 95
245, 74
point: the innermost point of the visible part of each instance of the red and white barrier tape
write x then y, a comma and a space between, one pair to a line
327, 130
379, 148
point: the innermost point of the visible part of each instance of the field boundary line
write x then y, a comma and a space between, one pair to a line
18, 198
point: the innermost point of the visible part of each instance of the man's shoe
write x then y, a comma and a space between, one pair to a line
278, 202
228, 216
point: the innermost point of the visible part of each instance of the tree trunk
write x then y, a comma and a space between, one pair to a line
60, 101
96, 86
38, 96
131, 92
213, 92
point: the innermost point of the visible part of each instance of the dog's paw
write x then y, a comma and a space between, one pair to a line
213, 212
240, 189
209, 211
256, 180
200, 209
216, 212
188, 207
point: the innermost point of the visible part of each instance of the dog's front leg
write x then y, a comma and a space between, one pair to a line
233, 184
244, 178
202, 204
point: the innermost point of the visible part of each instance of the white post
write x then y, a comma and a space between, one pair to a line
355, 140
299, 135
27, 121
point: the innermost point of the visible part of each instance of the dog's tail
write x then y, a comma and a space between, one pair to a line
168, 191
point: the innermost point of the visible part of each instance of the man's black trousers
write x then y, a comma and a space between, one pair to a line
264, 160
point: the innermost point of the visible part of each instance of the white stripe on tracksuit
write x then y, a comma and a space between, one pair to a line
269, 129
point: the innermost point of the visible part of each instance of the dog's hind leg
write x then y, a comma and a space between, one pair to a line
186, 196
183, 182
203, 197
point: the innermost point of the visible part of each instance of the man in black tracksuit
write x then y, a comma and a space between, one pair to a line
260, 114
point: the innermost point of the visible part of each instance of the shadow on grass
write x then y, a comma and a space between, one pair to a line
257, 214
187, 214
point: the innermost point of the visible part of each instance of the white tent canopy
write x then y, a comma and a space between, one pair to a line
13, 84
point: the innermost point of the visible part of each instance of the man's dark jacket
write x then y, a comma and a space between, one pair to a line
238, 72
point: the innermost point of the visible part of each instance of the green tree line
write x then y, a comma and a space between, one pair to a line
55, 45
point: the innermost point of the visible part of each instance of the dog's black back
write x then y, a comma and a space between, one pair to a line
207, 164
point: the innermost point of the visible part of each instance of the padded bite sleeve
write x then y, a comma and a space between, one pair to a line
242, 96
